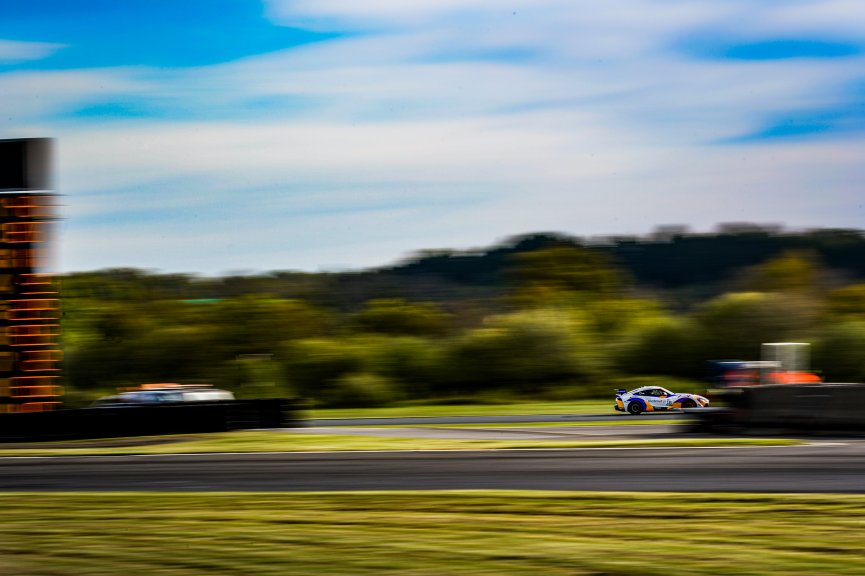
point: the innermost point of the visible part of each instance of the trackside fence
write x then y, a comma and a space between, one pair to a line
150, 420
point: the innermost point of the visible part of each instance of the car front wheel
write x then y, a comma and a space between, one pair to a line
635, 408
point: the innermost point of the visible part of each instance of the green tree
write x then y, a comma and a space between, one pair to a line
257, 324
545, 276
313, 366
361, 390
414, 366
734, 325
523, 352
664, 345
611, 316
847, 301
839, 352
793, 270
399, 317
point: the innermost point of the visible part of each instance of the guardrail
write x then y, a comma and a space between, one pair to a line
150, 420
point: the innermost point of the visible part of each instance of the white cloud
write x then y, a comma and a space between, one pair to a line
341, 199
28, 96
414, 134
837, 17
16, 51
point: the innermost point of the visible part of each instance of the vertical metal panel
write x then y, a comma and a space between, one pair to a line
25, 164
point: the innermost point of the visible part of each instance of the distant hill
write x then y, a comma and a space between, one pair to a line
666, 262
688, 267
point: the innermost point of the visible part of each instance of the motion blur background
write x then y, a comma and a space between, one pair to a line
344, 200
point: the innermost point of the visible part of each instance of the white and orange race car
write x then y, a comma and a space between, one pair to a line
655, 398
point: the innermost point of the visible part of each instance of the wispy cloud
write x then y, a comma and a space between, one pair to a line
16, 51
409, 125
27, 96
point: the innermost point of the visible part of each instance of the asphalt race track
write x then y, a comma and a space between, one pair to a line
820, 467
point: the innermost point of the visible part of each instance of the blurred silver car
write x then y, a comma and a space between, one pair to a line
150, 395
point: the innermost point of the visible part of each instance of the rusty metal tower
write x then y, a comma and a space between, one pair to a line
30, 352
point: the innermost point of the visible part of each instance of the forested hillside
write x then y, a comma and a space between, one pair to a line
665, 260
541, 316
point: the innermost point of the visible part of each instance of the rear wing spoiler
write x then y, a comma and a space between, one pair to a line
620, 390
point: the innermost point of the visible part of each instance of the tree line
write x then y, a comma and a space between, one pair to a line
552, 318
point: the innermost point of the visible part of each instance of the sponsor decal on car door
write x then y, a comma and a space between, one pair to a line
660, 402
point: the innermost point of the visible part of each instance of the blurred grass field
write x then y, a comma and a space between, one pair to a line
429, 533
286, 441
599, 406
625, 421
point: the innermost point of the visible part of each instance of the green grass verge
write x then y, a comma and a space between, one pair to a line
573, 407
429, 534
624, 421
252, 441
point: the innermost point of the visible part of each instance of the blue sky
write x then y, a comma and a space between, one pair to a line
233, 135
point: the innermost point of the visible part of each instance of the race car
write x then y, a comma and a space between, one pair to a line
655, 398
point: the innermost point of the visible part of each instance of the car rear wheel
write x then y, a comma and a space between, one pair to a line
635, 408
